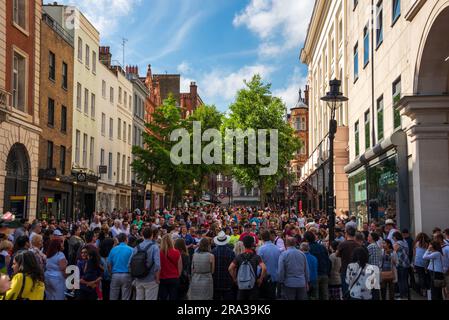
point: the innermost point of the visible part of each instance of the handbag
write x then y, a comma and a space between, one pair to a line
387, 275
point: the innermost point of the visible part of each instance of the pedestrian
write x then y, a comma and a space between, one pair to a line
401, 249
293, 272
324, 264
270, 254
344, 251
334, 277
223, 285
248, 232
20, 244
147, 284
312, 262
90, 274
420, 265
55, 271
390, 229
244, 271
75, 244
171, 268
105, 248
434, 255
118, 262
28, 280
388, 270
184, 279
203, 266
363, 279
374, 251
6, 247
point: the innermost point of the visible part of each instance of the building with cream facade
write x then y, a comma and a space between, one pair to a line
117, 102
324, 52
398, 76
393, 61
85, 96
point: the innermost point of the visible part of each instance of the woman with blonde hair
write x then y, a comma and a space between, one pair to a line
239, 248
171, 268
36, 247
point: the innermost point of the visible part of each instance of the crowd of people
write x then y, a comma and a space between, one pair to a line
217, 253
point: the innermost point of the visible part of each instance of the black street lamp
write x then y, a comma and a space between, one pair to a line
334, 99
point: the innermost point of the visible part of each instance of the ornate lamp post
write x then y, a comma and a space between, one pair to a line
334, 98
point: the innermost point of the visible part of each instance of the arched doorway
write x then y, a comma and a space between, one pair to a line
428, 110
433, 69
17, 181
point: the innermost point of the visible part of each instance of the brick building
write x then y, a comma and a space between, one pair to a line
298, 119
20, 23
55, 145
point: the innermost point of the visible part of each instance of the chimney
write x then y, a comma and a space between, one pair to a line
306, 95
105, 56
193, 89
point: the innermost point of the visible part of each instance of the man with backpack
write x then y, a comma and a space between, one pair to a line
245, 272
144, 266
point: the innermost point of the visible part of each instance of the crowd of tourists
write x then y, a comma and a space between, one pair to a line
216, 253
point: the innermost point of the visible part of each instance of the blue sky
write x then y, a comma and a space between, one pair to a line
216, 43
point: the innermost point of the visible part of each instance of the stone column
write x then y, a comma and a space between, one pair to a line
429, 132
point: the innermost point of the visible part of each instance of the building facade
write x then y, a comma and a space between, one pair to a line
299, 121
85, 93
56, 96
140, 95
398, 76
119, 90
325, 54
20, 23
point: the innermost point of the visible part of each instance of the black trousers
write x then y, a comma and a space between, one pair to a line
268, 290
252, 294
88, 295
168, 289
224, 294
106, 288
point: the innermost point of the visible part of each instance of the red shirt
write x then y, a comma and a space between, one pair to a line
244, 234
169, 264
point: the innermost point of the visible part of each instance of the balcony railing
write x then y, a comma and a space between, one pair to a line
5, 105
58, 29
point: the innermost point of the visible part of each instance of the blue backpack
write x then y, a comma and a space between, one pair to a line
246, 278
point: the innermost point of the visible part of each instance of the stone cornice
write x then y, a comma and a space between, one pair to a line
316, 23
412, 106
413, 11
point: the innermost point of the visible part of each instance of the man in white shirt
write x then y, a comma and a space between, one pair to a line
390, 229
95, 224
117, 228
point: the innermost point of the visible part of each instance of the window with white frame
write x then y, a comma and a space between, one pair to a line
124, 131
111, 129
87, 56
103, 89
77, 146
91, 154
92, 106
86, 101
85, 150
19, 82
78, 96
103, 124
20, 13
94, 62
80, 49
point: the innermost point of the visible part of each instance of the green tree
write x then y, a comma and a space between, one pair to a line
256, 108
209, 118
152, 162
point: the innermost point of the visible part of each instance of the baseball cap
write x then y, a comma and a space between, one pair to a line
57, 233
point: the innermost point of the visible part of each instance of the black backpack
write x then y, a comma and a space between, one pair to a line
138, 264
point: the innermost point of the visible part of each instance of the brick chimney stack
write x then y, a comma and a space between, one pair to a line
306, 95
193, 89
105, 56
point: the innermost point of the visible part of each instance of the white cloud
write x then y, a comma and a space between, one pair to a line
184, 67
220, 87
185, 84
280, 24
289, 94
104, 14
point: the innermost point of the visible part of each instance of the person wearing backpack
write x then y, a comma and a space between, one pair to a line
244, 271
145, 265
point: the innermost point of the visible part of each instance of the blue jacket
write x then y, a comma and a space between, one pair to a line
313, 266
320, 252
